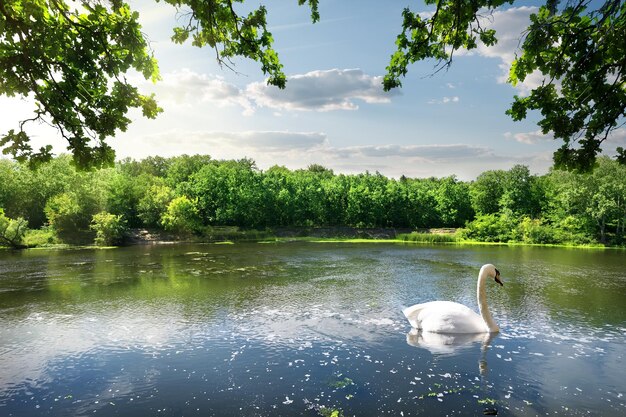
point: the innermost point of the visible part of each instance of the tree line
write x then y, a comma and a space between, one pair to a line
191, 194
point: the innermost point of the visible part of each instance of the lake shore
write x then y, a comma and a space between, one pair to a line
331, 234
233, 234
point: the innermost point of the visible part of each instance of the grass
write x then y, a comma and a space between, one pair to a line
429, 237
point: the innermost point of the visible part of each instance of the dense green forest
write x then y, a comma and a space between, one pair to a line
190, 195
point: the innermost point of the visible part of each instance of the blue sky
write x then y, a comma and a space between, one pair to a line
333, 111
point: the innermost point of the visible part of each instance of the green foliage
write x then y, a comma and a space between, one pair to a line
428, 237
71, 60
202, 196
491, 228
534, 231
330, 412
229, 193
24, 192
181, 168
12, 231
182, 216
486, 192
65, 216
110, 229
453, 202
153, 204
581, 53
70, 212
519, 193
455, 24
43, 237
72, 57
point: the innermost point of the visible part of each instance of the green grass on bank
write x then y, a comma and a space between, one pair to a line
429, 237
45, 238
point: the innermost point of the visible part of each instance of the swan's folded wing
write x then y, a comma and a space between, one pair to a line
444, 317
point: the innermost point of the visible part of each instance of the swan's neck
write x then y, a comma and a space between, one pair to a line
482, 303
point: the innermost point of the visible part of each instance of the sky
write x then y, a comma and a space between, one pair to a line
334, 111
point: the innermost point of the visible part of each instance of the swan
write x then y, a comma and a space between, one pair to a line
451, 317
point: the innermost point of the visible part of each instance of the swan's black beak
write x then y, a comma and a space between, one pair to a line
497, 278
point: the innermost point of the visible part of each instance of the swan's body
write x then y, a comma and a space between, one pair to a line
451, 317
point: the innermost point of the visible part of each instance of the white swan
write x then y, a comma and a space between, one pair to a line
451, 317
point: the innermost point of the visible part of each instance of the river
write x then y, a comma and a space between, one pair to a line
310, 329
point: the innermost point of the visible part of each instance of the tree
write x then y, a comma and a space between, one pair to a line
70, 213
486, 192
12, 231
73, 62
153, 204
517, 196
579, 51
453, 202
182, 216
110, 229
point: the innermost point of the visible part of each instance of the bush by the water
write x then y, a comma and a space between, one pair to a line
110, 229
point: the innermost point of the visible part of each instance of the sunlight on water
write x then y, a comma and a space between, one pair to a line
303, 329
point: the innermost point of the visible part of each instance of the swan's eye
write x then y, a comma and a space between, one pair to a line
497, 272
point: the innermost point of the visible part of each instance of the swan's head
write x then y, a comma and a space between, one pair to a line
491, 272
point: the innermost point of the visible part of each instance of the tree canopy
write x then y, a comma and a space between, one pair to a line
72, 58
198, 195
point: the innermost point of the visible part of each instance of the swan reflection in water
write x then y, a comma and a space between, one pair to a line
448, 344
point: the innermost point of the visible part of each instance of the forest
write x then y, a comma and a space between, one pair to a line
189, 195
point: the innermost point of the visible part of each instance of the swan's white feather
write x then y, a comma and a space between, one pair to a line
445, 317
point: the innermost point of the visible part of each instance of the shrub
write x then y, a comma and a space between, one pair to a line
491, 228
154, 203
534, 231
65, 215
182, 216
110, 229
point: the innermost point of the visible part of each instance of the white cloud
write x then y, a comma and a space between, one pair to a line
445, 100
299, 149
509, 25
314, 91
334, 89
529, 138
186, 88
255, 141
617, 136
431, 153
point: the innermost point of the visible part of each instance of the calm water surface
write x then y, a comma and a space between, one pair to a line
304, 329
